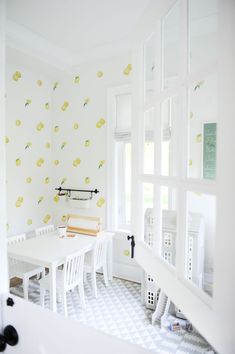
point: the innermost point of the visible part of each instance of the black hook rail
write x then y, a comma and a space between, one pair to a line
69, 190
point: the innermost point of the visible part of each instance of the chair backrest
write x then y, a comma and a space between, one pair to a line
16, 239
40, 231
73, 270
100, 252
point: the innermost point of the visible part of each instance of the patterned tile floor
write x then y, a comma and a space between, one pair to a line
118, 311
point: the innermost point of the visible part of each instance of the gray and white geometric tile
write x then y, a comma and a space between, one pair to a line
119, 312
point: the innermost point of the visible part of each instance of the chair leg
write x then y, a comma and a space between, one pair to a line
25, 287
82, 295
105, 272
42, 296
93, 280
64, 303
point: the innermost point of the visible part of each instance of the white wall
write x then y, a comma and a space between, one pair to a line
28, 149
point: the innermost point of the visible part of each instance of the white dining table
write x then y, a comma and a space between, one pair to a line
50, 251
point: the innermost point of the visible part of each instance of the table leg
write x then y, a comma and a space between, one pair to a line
52, 273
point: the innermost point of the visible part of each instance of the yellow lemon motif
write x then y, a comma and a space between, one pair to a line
199, 84
86, 101
56, 129
190, 162
76, 79
63, 180
56, 162
29, 222
87, 180
55, 85
126, 253
101, 163
19, 202
40, 162
100, 202
18, 122
40, 126
40, 199
76, 162
47, 180
7, 139
39, 82
99, 74
47, 105
199, 138
28, 180
100, 123
7, 226
127, 69
28, 145
63, 144
47, 218
63, 218
64, 106
48, 145
75, 126
18, 162
191, 115
87, 143
16, 76
27, 102
56, 198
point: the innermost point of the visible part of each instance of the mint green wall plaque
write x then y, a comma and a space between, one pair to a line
209, 150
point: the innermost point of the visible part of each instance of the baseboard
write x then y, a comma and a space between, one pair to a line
127, 272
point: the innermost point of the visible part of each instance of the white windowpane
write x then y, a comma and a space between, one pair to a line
149, 67
148, 213
149, 142
128, 183
123, 112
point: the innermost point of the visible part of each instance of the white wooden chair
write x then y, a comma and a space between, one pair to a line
22, 270
96, 260
40, 231
67, 279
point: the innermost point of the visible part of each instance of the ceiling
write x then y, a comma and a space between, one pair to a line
78, 25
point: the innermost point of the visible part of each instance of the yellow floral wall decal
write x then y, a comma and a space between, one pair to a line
87, 180
75, 126
100, 123
47, 218
40, 126
55, 85
16, 76
77, 79
7, 140
191, 115
56, 129
39, 83
18, 161
99, 74
18, 122
63, 180
28, 102
40, 162
86, 101
63, 145
127, 69
47, 180
63, 218
28, 180
28, 145
47, 105
76, 162
199, 138
100, 202
48, 145
101, 163
56, 198
56, 162
29, 222
19, 202
198, 85
190, 162
64, 106
40, 199
87, 143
